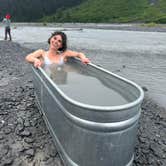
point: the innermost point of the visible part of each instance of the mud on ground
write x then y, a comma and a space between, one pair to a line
24, 138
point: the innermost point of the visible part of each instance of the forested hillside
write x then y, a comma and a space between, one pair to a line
32, 10
106, 11
112, 11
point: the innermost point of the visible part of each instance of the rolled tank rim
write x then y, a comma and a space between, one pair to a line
94, 107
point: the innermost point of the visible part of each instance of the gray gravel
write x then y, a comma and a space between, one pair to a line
24, 138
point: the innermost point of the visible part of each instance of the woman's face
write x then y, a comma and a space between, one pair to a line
56, 42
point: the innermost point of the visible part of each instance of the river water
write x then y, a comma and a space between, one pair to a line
137, 56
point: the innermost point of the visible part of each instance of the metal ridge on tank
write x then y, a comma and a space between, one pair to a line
89, 133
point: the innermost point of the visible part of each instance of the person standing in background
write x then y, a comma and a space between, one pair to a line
6, 21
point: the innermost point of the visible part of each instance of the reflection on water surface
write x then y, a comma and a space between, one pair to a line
82, 87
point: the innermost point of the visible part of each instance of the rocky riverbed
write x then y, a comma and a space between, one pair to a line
24, 138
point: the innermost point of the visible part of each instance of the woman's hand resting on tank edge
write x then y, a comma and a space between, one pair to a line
85, 60
37, 63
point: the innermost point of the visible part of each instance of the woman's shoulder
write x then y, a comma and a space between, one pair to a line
40, 52
68, 53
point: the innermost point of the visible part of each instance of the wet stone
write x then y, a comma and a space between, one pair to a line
142, 139
33, 123
29, 104
45, 157
7, 130
29, 140
15, 122
25, 133
50, 150
3, 150
21, 108
20, 127
50, 162
58, 161
162, 124
145, 151
30, 152
20, 120
157, 150
124, 66
10, 106
39, 145
1, 137
20, 148
151, 160
145, 89
18, 131
27, 123
3, 113
7, 162
1, 125
31, 99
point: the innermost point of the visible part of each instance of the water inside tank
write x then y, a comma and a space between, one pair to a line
84, 88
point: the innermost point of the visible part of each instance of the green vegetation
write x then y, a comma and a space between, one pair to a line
151, 24
97, 11
112, 11
32, 10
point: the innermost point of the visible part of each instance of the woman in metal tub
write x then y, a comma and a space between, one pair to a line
57, 52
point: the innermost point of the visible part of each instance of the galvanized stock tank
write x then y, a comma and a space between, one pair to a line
91, 113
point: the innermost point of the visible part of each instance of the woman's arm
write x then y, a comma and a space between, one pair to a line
34, 57
80, 55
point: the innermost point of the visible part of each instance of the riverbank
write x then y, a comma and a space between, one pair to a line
149, 27
24, 138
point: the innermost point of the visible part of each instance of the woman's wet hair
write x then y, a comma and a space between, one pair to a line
64, 40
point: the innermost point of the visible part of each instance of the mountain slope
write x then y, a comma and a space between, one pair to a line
32, 10
112, 11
